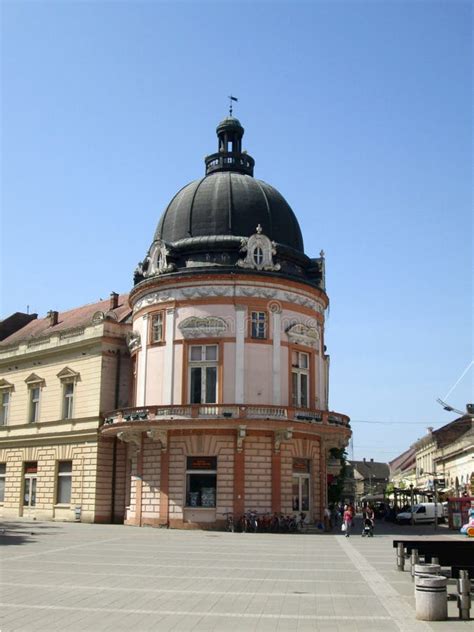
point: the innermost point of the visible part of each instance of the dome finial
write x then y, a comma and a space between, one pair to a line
231, 98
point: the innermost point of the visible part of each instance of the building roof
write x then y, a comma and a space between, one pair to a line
70, 319
229, 203
453, 431
371, 469
14, 322
404, 461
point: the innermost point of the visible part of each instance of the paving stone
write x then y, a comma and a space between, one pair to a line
104, 578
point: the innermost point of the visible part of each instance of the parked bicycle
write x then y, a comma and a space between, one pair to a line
249, 522
229, 522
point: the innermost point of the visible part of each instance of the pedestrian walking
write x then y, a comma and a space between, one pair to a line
347, 519
327, 519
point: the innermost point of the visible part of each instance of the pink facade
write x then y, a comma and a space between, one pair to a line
230, 406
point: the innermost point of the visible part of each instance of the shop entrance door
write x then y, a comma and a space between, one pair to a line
29, 487
301, 492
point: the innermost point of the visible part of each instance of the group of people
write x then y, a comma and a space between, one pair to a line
348, 520
346, 514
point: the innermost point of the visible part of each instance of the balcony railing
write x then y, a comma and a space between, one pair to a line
225, 411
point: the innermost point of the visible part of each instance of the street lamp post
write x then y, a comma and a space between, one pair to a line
411, 503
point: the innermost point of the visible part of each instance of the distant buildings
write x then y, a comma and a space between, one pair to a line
366, 480
442, 458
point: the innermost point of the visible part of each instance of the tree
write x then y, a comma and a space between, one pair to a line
335, 491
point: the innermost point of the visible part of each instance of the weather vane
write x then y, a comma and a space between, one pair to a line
231, 98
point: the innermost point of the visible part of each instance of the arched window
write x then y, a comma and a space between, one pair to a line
258, 255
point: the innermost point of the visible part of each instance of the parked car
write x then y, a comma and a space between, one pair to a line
423, 513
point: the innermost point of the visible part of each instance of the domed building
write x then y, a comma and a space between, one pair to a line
230, 375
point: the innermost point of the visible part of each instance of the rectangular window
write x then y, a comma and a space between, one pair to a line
5, 407
63, 496
34, 403
300, 379
203, 374
29, 489
201, 481
68, 400
259, 325
157, 327
3, 471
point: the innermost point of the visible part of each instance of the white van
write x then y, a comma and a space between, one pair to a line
422, 514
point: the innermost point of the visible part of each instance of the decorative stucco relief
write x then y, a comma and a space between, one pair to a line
196, 327
245, 291
260, 250
131, 437
304, 335
133, 341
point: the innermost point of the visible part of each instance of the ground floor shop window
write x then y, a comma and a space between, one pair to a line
3, 470
201, 481
30, 476
63, 496
301, 487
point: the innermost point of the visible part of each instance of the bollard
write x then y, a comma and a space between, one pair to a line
426, 570
431, 598
464, 595
414, 560
400, 556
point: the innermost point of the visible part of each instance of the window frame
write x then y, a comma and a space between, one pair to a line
68, 376
299, 371
60, 476
5, 407
203, 363
266, 322
68, 400
162, 314
200, 472
34, 404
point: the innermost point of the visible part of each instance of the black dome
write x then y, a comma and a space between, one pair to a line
229, 203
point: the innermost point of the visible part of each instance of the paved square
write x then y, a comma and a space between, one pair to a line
80, 577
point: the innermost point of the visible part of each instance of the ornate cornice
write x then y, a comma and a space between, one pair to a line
157, 297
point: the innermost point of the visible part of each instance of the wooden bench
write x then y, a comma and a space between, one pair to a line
458, 554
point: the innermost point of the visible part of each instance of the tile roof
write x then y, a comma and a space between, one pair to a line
371, 469
404, 460
71, 319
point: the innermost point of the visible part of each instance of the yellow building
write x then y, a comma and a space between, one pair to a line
57, 375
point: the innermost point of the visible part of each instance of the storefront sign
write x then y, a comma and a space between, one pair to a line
202, 463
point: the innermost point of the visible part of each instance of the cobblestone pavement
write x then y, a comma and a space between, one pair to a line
79, 577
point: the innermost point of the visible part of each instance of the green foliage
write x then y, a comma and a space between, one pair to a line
335, 490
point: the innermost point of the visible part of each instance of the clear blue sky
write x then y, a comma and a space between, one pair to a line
359, 113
